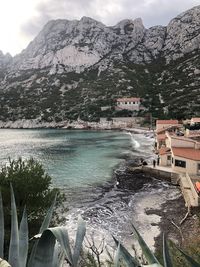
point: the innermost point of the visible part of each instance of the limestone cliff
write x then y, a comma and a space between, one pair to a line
72, 68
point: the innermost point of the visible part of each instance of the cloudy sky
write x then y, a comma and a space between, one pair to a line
21, 20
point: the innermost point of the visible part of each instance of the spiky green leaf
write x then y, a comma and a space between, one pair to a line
190, 260
80, 234
131, 262
58, 256
151, 259
1, 227
166, 256
117, 257
62, 237
23, 240
44, 252
44, 226
48, 217
14, 236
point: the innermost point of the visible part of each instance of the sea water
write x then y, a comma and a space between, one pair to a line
73, 158
81, 164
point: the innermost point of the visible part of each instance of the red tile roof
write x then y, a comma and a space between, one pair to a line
167, 122
194, 133
161, 137
168, 128
183, 138
164, 150
195, 119
126, 99
188, 153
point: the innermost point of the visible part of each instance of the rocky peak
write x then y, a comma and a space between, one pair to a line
90, 21
183, 34
128, 26
5, 60
48, 73
64, 45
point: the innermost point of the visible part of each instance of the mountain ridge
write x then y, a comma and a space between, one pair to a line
81, 65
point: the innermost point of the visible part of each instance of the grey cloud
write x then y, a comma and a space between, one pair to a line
152, 12
55, 9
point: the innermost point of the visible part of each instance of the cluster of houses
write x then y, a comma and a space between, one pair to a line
178, 147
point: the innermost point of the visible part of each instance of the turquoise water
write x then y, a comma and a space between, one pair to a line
73, 158
82, 164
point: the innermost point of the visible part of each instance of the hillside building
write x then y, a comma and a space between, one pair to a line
132, 103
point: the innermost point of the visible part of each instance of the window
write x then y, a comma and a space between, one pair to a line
168, 157
125, 103
180, 163
172, 160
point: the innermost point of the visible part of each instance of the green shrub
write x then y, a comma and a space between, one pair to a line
33, 189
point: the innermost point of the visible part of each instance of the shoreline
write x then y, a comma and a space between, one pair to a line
164, 217
70, 125
172, 213
167, 209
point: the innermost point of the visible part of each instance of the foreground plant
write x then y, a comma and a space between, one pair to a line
152, 261
45, 252
33, 188
53, 247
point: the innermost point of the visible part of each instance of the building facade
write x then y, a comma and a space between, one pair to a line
180, 153
132, 103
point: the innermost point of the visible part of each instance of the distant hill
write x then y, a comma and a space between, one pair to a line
72, 68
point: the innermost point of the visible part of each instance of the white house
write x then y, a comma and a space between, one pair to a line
185, 159
181, 153
132, 103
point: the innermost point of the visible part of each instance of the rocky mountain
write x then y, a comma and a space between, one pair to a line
72, 68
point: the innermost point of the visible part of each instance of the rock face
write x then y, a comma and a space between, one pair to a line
79, 66
75, 45
183, 34
5, 60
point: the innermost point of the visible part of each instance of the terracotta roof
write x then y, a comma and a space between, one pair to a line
184, 138
167, 122
126, 99
165, 128
194, 133
188, 153
195, 119
161, 137
164, 150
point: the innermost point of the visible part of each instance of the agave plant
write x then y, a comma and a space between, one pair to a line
150, 257
45, 252
53, 245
